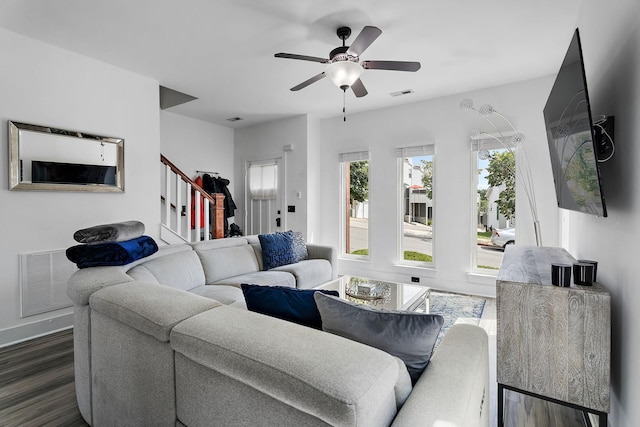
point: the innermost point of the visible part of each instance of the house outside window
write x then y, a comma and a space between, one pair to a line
415, 203
355, 204
494, 189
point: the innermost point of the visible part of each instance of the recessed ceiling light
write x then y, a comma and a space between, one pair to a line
402, 92
234, 119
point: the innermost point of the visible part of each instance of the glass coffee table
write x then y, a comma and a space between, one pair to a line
380, 293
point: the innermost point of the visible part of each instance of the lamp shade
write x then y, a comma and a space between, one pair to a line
343, 73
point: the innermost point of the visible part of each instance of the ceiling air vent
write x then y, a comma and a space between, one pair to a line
402, 92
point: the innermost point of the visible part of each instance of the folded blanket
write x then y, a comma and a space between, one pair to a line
117, 232
112, 253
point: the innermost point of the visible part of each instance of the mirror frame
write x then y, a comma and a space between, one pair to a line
15, 130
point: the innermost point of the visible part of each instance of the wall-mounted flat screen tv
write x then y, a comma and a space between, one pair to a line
571, 136
72, 173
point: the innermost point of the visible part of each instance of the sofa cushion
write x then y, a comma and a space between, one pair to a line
220, 261
181, 270
255, 244
148, 307
85, 282
405, 334
267, 278
277, 249
285, 362
227, 295
308, 273
294, 305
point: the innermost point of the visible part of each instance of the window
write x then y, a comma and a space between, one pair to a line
495, 202
355, 203
263, 196
263, 181
416, 165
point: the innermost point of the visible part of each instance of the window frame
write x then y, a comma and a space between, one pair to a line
343, 159
402, 154
477, 144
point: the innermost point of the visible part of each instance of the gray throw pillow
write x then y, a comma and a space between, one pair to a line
404, 334
299, 246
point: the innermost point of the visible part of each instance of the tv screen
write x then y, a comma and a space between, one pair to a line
571, 138
72, 173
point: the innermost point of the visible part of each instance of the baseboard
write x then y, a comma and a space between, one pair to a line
37, 329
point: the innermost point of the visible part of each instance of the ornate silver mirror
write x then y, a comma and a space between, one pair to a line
45, 158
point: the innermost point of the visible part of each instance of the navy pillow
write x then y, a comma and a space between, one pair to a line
292, 304
408, 335
277, 249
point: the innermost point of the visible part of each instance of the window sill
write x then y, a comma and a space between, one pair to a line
348, 257
428, 266
482, 277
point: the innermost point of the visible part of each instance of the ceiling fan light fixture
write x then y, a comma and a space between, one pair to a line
344, 73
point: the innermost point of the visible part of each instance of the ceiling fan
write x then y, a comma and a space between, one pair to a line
344, 67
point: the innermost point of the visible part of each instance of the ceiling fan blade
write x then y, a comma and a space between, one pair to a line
358, 88
301, 57
391, 65
364, 40
308, 82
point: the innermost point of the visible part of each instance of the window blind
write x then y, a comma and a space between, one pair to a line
263, 181
418, 150
491, 143
355, 156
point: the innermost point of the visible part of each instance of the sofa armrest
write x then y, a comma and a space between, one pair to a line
150, 308
324, 252
454, 389
83, 283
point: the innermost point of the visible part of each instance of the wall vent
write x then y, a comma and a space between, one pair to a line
402, 92
43, 281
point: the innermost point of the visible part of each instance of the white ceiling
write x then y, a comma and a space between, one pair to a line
221, 51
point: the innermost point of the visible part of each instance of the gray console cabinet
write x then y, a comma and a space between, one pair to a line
552, 342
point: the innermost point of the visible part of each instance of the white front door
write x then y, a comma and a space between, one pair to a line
263, 189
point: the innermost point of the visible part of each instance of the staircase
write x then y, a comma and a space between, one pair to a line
189, 213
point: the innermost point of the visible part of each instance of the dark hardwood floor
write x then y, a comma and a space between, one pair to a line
37, 383
526, 411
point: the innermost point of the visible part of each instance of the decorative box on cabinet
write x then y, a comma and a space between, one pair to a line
552, 342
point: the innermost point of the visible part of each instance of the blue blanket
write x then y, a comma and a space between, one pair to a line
112, 253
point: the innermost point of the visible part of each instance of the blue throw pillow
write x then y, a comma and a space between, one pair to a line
408, 335
292, 304
277, 249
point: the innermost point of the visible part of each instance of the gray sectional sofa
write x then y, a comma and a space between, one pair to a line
167, 341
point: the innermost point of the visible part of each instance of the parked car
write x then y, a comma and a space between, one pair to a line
503, 237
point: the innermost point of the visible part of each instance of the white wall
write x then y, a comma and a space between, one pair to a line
611, 46
267, 141
195, 145
314, 180
440, 121
45, 85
